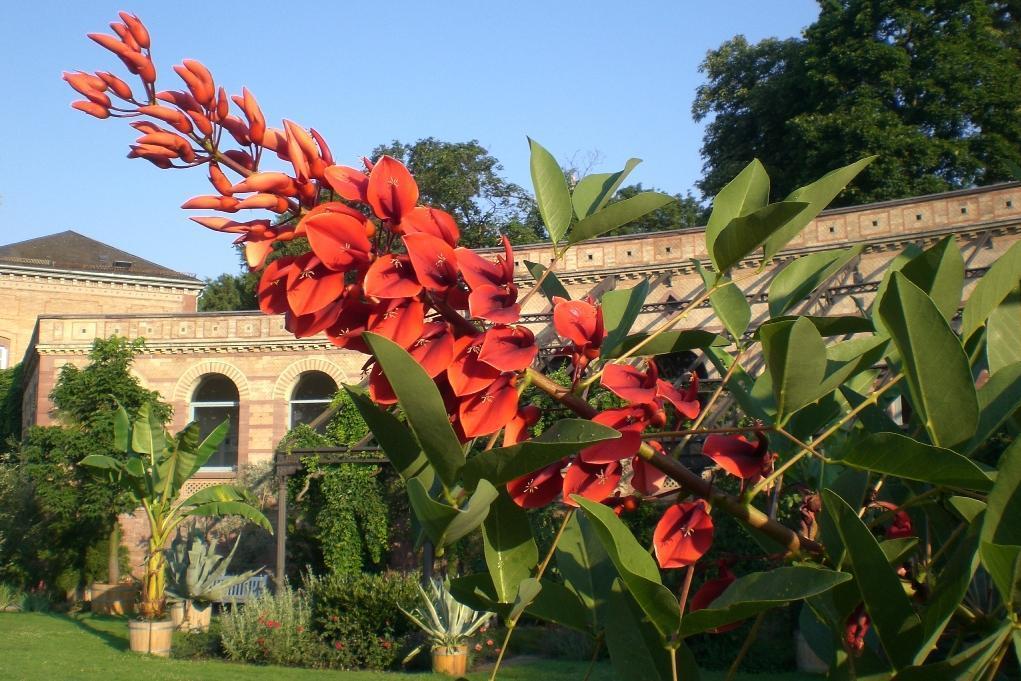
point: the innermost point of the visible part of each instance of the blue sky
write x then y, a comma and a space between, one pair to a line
609, 79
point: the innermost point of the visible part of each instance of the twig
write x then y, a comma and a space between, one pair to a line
745, 647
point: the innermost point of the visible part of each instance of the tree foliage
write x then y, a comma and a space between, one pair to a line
933, 87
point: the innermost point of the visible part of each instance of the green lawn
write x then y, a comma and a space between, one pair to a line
44, 647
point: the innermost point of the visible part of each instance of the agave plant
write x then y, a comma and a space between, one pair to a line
197, 572
445, 622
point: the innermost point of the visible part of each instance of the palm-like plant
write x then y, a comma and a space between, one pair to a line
197, 572
445, 622
155, 469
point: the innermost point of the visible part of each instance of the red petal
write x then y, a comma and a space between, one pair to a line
508, 348
683, 534
338, 239
401, 320
647, 479
349, 183
434, 261
487, 411
467, 375
735, 454
380, 389
495, 304
709, 592
391, 276
391, 191
630, 383
432, 221
539, 488
576, 320
630, 421
273, 286
518, 430
592, 481
311, 324
479, 271
311, 286
685, 403
434, 349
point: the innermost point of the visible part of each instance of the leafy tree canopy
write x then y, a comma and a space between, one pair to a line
932, 86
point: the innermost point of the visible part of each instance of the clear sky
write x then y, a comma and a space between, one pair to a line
615, 79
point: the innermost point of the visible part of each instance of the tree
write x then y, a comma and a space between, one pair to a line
933, 87
686, 211
228, 292
464, 179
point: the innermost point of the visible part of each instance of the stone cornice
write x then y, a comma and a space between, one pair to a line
50, 273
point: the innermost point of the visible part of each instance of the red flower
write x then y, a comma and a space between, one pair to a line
646, 478
434, 261
579, 321
592, 481
434, 348
391, 191
538, 488
710, 591
478, 271
630, 421
518, 429
855, 630
402, 320
338, 235
425, 220
272, 624
489, 410
739, 457
630, 383
311, 285
901, 524
349, 183
683, 534
508, 348
391, 276
466, 373
495, 304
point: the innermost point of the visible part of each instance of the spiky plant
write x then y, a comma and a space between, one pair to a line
446, 623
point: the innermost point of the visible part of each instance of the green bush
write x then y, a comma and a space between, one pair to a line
359, 616
198, 645
272, 629
10, 597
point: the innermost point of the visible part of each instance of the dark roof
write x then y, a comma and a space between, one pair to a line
73, 251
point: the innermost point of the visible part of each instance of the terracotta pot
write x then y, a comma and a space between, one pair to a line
113, 599
151, 636
452, 660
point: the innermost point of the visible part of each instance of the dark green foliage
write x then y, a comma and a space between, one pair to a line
933, 87
228, 292
686, 211
198, 645
11, 393
359, 616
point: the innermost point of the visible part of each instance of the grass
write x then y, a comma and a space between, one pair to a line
38, 647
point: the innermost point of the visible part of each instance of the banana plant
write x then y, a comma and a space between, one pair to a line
153, 472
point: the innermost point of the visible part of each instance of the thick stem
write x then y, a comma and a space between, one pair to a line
689, 480
113, 556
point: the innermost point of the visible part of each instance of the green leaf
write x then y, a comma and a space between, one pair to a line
636, 649
728, 301
1002, 278
445, 524
742, 386
558, 604
1003, 563
951, 586
620, 310
617, 215
635, 566
221, 492
205, 449
967, 507
527, 592
147, 434
804, 275
393, 437
422, 404
510, 550
939, 273
102, 462
998, 400
586, 568
551, 285
1003, 506
759, 591
564, 438
1003, 333
936, 366
967, 664
899, 455
818, 195
668, 342
222, 509
121, 429
551, 193
897, 549
744, 234
593, 191
746, 193
827, 326
796, 358
898, 626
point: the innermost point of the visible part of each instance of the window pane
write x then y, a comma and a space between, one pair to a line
314, 385
226, 456
306, 412
216, 388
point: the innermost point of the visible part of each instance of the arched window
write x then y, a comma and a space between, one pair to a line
311, 396
214, 401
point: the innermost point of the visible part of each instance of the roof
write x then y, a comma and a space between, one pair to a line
73, 251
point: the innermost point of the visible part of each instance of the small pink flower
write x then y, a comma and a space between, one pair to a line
489, 641
338, 645
478, 647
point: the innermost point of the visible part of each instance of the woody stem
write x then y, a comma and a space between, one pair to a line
689, 480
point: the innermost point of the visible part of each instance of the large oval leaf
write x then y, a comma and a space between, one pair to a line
617, 215
998, 400
746, 193
804, 275
1002, 278
551, 286
444, 524
621, 308
899, 455
1003, 507
796, 358
939, 272
510, 550
744, 234
668, 342
421, 401
594, 191
397, 442
551, 193
936, 366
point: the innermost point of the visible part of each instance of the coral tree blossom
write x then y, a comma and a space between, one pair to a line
683, 534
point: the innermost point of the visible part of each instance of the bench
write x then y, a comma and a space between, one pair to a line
240, 593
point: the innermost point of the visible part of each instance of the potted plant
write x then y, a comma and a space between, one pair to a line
198, 578
447, 625
155, 469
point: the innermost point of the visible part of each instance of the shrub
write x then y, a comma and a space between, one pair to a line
198, 645
272, 629
10, 597
359, 616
